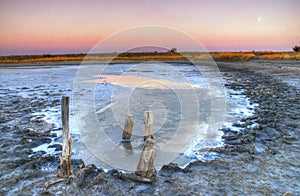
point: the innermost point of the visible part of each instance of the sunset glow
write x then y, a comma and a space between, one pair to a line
40, 27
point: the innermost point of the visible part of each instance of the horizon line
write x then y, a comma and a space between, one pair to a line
86, 53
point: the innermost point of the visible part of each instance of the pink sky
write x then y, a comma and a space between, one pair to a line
75, 26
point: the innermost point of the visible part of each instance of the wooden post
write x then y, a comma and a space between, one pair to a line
148, 122
66, 155
146, 164
128, 128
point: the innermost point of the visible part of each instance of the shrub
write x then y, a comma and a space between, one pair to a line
173, 50
296, 48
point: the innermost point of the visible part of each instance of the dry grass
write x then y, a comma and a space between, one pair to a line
245, 56
278, 55
218, 56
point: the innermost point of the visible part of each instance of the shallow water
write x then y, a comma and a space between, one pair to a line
111, 99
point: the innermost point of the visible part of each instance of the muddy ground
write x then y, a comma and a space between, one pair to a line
262, 160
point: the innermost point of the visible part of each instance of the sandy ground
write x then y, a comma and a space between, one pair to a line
261, 160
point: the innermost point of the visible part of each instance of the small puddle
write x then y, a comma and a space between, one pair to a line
110, 91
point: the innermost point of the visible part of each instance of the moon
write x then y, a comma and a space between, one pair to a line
258, 19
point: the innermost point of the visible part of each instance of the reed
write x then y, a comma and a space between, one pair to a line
172, 56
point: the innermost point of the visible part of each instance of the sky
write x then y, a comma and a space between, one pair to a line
76, 26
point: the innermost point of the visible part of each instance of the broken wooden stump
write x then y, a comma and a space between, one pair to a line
66, 155
145, 167
48, 184
148, 122
133, 177
128, 128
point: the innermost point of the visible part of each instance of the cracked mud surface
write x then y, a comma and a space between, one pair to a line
261, 160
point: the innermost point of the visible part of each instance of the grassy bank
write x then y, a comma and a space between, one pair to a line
218, 56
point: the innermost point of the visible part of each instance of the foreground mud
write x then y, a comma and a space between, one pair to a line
261, 159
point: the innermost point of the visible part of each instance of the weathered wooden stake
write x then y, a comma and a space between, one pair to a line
148, 122
128, 127
66, 155
146, 164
